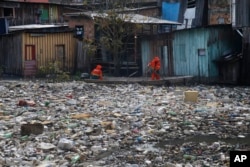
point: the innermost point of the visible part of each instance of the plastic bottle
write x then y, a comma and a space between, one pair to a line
75, 159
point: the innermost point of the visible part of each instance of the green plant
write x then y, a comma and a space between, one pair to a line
77, 76
48, 69
62, 76
53, 72
41, 72
116, 29
89, 46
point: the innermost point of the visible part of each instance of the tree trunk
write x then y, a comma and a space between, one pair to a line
117, 62
117, 65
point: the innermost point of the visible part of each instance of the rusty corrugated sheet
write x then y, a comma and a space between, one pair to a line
219, 12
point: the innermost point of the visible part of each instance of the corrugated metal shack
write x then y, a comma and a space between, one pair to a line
196, 51
192, 52
29, 47
204, 37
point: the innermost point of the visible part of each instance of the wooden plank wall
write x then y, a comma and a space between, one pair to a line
12, 50
11, 53
45, 47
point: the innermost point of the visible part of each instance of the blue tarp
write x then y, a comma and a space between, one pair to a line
170, 11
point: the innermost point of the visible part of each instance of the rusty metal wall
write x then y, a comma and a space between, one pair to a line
11, 53
219, 12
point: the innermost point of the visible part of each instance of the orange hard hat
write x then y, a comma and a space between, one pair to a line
99, 66
156, 57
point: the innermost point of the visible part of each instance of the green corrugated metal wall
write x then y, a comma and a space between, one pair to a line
214, 41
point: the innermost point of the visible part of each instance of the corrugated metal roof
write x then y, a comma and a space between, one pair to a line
137, 18
34, 26
131, 18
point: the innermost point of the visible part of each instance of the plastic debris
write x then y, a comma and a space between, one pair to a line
85, 124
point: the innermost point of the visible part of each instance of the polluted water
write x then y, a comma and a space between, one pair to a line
86, 124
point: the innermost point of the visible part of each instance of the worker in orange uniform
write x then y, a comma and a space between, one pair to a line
97, 73
155, 65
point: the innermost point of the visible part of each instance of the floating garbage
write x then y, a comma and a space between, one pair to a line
65, 144
32, 128
46, 146
86, 124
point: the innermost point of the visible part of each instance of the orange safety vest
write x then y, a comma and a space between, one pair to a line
155, 64
97, 71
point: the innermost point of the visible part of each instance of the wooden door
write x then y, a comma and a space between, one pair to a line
60, 57
30, 60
